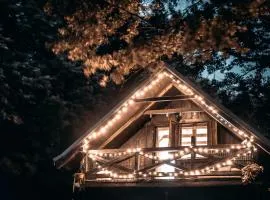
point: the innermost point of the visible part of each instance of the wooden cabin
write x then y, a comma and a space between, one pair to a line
165, 132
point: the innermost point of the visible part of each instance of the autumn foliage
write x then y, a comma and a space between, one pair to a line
118, 37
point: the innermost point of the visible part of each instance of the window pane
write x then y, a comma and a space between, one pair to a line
201, 135
186, 136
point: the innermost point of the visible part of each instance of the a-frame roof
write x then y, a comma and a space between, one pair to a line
128, 111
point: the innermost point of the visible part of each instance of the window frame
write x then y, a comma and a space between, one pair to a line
193, 125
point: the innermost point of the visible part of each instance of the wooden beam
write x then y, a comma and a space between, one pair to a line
165, 98
171, 111
114, 163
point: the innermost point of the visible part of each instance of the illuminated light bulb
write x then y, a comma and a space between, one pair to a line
218, 166
205, 150
170, 174
103, 130
85, 141
171, 76
240, 132
238, 155
177, 81
186, 149
197, 172
137, 94
110, 155
228, 150
165, 74
238, 147
233, 147
214, 111
94, 134
145, 89
155, 173
142, 93
175, 174
90, 137
160, 76
252, 138
191, 173
235, 129
186, 174
138, 149
202, 102
244, 154
246, 135
154, 82
117, 116
124, 109
131, 102
176, 154
160, 174
190, 92
200, 150
216, 150
110, 123
184, 87
229, 162
255, 149
207, 168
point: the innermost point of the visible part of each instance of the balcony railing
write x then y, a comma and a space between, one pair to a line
136, 164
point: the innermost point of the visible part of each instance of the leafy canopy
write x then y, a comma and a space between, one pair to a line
118, 37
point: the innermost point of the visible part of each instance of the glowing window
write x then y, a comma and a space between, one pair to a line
200, 133
163, 141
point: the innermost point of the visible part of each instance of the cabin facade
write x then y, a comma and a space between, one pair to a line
166, 132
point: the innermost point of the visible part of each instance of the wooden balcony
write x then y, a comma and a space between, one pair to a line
157, 164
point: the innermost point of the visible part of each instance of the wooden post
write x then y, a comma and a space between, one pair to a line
137, 162
86, 163
193, 143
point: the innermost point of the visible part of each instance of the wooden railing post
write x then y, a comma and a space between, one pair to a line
137, 162
86, 163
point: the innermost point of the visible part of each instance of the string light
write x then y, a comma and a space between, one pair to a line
143, 91
195, 172
176, 155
